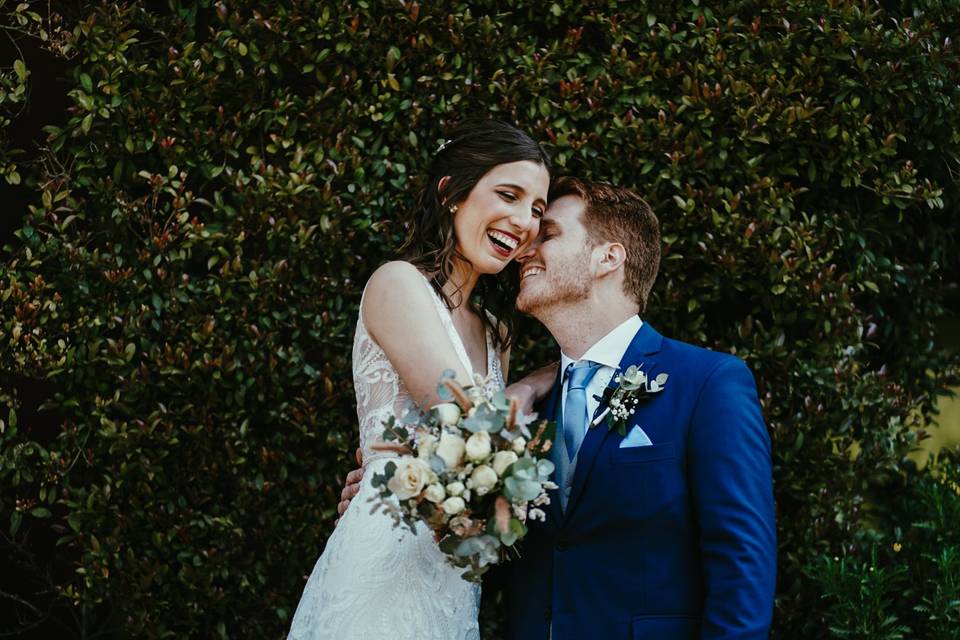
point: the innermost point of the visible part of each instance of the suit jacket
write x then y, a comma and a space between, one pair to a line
672, 541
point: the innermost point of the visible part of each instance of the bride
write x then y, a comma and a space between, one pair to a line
448, 306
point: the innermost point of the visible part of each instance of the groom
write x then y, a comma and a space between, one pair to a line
668, 532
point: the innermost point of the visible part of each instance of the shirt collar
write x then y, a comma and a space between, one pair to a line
609, 349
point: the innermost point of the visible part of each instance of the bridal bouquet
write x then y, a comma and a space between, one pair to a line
471, 469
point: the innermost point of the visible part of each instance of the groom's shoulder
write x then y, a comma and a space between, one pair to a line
699, 359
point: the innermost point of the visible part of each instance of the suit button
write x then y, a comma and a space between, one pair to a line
562, 545
547, 613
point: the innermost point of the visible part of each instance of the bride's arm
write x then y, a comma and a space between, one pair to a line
401, 316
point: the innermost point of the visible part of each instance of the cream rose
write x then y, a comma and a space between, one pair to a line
483, 479
451, 449
478, 446
519, 445
426, 446
454, 505
502, 460
435, 493
447, 413
411, 476
455, 488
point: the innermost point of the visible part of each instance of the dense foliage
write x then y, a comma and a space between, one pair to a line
176, 311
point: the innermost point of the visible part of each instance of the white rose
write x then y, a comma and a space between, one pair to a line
450, 449
483, 479
454, 505
411, 476
478, 446
632, 378
519, 445
447, 413
435, 493
455, 488
502, 460
426, 446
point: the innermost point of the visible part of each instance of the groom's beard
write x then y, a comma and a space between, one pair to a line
559, 285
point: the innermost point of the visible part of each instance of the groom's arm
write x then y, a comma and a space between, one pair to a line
732, 490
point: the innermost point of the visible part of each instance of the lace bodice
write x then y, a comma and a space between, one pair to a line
380, 391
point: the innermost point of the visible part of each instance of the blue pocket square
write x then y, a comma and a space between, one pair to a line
636, 438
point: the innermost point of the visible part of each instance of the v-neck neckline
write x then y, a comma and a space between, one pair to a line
462, 351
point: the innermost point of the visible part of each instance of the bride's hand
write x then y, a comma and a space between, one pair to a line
351, 486
533, 388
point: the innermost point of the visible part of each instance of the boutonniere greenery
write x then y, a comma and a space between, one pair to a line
621, 398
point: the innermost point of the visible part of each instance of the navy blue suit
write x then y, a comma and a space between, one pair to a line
672, 541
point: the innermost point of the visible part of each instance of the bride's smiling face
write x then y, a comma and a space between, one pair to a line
501, 215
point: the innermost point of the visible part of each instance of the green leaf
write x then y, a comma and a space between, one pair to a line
21, 68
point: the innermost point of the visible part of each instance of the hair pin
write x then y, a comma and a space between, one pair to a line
446, 143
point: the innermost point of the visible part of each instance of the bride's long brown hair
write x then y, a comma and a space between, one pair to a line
472, 149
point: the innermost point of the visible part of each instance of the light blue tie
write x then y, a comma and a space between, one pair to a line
575, 409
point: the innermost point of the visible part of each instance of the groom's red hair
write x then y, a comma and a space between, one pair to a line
617, 214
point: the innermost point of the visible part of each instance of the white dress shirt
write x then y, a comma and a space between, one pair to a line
607, 351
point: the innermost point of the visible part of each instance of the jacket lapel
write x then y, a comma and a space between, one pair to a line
646, 342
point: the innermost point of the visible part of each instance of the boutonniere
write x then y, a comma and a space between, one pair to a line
621, 398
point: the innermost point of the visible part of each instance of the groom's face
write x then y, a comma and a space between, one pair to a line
555, 270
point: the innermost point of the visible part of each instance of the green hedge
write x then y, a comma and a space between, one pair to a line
181, 297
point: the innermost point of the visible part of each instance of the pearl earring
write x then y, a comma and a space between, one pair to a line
453, 208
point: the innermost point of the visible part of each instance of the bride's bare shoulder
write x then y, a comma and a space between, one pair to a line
396, 273
396, 282
396, 292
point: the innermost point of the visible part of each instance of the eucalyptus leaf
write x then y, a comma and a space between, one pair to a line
484, 419
518, 489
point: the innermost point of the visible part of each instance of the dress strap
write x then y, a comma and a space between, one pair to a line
446, 318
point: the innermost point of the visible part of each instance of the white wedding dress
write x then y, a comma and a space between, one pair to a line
375, 580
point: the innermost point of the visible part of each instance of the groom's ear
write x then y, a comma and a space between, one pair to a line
612, 256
